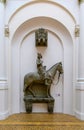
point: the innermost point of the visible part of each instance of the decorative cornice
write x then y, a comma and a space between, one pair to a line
3, 1
77, 31
6, 31
81, 1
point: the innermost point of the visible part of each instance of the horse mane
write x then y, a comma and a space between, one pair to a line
53, 69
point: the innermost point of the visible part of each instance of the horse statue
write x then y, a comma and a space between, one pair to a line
31, 78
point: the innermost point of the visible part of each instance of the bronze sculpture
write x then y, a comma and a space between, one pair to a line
37, 85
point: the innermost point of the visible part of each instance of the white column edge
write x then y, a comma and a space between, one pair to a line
4, 115
79, 115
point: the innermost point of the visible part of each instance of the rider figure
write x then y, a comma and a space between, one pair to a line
48, 79
40, 67
42, 70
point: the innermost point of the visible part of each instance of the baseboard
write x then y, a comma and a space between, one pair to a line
4, 115
79, 115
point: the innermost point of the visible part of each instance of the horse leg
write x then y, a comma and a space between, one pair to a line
26, 87
48, 91
30, 90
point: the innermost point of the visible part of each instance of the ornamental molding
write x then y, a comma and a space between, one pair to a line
81, 1
6, 31
3, 1
77, 31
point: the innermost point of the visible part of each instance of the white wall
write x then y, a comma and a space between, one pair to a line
23, 18
59, 48
3, 78
52, 54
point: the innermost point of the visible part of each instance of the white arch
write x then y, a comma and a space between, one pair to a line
29, 17
41, 1
41, 9
32, 23
56, 28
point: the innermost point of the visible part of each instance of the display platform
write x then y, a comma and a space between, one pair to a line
41, 121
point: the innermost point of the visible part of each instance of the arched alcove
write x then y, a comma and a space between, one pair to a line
52, 54
41, 9
60, 47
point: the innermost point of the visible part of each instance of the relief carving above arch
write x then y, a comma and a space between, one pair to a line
81, 1
4, 1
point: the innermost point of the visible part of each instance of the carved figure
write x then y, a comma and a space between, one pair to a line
32, 78
42, 70
40, 67
37, 85
41, 37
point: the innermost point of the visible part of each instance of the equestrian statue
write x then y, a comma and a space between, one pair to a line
37, 84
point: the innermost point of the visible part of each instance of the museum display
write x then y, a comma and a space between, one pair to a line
37, 85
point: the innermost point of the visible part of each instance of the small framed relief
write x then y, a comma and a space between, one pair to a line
41, 37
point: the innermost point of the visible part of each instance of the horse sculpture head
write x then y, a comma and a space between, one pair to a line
56, 69
60, 68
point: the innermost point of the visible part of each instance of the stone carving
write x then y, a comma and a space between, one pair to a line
6, 31
42, 71
37, 85
81, 1
77, 30
41, 37
4, 1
